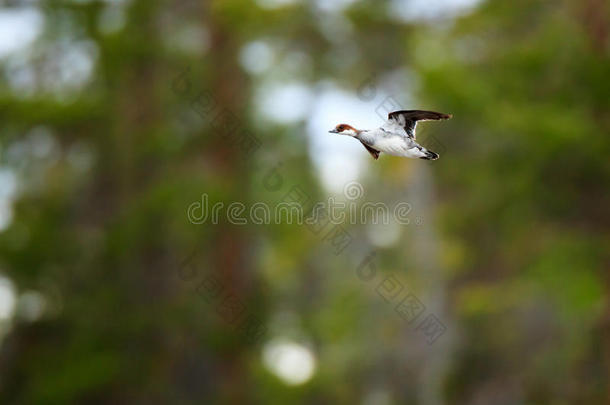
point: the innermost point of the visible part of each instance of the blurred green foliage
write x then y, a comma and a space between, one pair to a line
512, 255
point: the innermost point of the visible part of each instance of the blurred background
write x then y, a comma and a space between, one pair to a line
120, 120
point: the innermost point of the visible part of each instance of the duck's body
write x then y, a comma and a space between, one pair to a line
391, 143
397, 136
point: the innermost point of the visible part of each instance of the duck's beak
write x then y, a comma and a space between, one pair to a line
333, 131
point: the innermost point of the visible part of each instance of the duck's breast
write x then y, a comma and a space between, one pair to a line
391, 144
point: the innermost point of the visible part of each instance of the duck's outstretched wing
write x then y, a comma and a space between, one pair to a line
407, 119
374, 152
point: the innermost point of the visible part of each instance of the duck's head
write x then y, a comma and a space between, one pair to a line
344, 129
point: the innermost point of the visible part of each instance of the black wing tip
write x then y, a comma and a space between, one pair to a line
441, 116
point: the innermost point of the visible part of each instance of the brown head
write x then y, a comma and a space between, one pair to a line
344, 129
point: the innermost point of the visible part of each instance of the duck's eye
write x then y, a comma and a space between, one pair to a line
340, 127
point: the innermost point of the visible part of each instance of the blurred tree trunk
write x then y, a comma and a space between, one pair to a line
595, 22
426, 252
228, 87
604, 325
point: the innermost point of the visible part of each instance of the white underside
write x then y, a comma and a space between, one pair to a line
397, 146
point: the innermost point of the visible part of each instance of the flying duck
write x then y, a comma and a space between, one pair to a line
397, 136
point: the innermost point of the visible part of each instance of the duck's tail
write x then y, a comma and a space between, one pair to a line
429, 155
